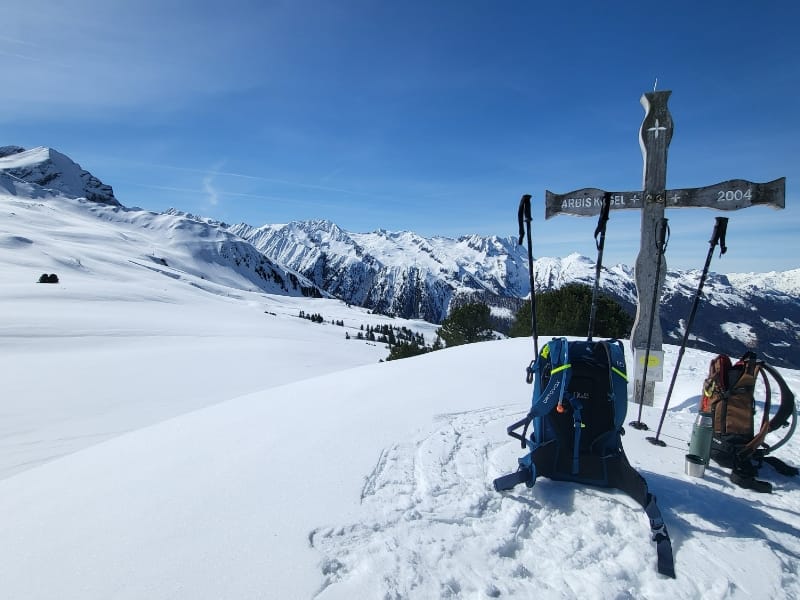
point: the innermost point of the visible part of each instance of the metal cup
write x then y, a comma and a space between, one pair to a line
694, 465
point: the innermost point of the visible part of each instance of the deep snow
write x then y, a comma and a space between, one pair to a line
164, 436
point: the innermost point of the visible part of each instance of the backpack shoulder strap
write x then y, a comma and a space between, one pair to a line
547, 396
787, 406
618, 376
553, 365
786, 410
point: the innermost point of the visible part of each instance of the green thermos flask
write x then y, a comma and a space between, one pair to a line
702, 432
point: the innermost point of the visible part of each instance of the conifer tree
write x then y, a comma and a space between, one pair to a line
565, 311
466, 324
405, 350
437, 343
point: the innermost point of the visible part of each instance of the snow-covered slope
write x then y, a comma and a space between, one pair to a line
78, 239
366, 482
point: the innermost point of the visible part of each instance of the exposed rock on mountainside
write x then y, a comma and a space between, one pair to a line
407, 275
51, 170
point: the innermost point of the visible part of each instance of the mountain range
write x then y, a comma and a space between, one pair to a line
404, 274
401, 273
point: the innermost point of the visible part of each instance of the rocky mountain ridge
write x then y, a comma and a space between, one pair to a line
404, 274
52, 171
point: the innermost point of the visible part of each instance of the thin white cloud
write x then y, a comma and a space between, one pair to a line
11, 40
201, 190
20, 56
211, 194
259, 178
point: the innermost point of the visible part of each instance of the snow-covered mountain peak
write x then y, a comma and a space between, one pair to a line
51, 170
786, 281
489, 245
208, 221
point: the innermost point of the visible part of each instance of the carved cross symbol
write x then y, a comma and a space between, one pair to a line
656, 129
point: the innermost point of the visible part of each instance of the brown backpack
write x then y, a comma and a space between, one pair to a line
729, 396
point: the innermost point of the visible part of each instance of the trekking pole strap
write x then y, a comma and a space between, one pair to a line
599, 232
523, 214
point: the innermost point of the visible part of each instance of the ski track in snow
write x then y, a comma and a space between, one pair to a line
432, 526
429, 508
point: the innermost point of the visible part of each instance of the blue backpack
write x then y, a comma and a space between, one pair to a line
580, 399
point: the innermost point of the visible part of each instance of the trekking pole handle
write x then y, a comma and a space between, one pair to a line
718, 236
662, 234
606, 206
524, 215
601, 222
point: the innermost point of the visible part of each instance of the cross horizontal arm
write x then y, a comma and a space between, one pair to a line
734, 194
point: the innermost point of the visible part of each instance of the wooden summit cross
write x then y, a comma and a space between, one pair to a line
655, 135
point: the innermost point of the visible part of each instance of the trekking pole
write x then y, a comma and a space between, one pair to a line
662, 237
601, 242
524, 218
717, 237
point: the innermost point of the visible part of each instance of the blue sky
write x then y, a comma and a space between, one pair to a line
431, 116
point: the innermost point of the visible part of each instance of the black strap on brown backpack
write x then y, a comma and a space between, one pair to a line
785, 412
